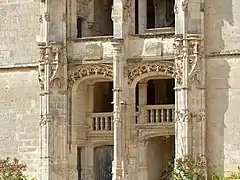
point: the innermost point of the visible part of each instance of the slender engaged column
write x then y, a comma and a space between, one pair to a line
143, 160
142, 16
117, 168
142, 102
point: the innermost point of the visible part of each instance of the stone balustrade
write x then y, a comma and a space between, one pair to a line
101, 121
156, 114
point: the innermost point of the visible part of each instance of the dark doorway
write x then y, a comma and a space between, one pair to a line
103, 157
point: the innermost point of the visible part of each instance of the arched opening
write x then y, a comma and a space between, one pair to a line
160, 157
103, 157
91, 115
155, 100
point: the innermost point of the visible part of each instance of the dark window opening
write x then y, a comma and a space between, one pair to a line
103, 97
79, 27
160, 92
79, 160
150, 14
160, 13
136, 17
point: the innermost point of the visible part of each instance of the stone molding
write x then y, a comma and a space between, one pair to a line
138, 69
92, 70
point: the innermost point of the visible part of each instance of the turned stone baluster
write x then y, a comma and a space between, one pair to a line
97, 124
168, 115
107, 122
152, 116
157, 116
101, 123
162, 115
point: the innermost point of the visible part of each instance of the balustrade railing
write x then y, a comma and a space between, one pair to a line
101, 121
156, 114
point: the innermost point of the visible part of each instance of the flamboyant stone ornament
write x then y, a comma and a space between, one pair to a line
72, 124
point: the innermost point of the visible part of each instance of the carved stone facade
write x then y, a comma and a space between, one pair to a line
109, 74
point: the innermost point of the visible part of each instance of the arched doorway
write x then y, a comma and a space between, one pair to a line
103, 157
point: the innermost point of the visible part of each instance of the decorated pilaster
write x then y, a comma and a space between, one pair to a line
117, 168
143, 160
53, 97
190, 78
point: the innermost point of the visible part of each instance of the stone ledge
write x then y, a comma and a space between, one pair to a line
224, 53
14, 66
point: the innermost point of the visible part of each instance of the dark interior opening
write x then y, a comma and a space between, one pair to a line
136, 17
150, 14
79, 27
103, 97
79, 160
160, 92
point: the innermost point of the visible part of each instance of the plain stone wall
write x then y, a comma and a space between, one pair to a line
19, 88
222, 32
19, 116
18, 30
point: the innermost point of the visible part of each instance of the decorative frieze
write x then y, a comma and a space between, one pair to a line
89, 70
138, 69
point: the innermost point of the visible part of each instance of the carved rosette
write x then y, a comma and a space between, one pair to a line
88, 71
138, 69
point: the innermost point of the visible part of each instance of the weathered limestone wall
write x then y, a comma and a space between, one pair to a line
19, 89
222, 28
18, 30
19, 116
223, 97
222, 33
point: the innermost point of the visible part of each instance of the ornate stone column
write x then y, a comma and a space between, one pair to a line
143, 160
190, 79
53, 114
142, 102
117, 168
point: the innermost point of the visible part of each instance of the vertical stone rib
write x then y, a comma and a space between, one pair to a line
117, 110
